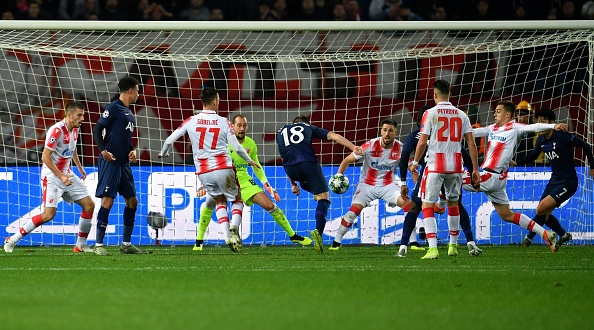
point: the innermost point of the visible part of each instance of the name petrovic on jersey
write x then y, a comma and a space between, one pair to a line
447, 111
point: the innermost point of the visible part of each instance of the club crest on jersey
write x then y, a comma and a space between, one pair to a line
247, 150
105, 114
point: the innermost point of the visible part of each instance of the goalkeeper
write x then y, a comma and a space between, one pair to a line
250, 192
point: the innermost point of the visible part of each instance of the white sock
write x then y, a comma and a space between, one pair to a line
236, 213
223, 217
345, 224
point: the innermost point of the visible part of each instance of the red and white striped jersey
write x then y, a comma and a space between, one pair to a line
63, 144
446, 126
209, 134
379, 164
502, 143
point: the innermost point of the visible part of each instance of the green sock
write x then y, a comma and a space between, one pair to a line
205, 216
280, 218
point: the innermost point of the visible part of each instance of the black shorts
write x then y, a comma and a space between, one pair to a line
560, 191
309, 175
115, 178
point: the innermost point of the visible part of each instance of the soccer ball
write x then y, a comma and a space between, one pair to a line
339, 183
156, 220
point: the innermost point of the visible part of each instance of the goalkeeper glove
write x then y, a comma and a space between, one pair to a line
272, 191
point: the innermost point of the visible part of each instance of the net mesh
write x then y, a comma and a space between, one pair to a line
346, 81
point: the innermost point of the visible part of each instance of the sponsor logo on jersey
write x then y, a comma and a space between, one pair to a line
497, 137
380, 167
68, 153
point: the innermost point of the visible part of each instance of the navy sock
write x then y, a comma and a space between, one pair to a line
409, 225
102, 220
321, 213
465, 223
555, 225
129, 215
539, 219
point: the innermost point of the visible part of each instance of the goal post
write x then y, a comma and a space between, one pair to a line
346, 77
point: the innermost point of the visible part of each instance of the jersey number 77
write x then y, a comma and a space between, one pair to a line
202, 131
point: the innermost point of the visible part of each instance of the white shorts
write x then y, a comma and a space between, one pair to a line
53, 189
365, 193
492, 184
221, 182
431, 186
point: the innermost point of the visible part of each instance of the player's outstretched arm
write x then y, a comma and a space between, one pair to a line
348, 160
539, 127
344, 142
232, 139
169, 142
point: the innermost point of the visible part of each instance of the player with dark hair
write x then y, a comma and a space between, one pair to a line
302, 165
558, 150
442, 130
251, 193
381, 157
115, 174
58, 180
410, 144
503, 137
211, 136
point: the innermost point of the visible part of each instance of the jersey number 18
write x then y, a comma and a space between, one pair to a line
295, 137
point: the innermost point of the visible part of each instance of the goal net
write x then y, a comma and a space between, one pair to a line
345, 77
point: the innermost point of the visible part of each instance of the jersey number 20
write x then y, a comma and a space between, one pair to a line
455, 126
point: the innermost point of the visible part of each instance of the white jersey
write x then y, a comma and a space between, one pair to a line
62, 143
210, 135
502, 142
379, 164
446, 126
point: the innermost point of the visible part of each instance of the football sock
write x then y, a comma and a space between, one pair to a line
205, 216
102, 219
523, 221
346, 222
321, 213
84, 227
539, 219
280, 218
409, 225
129, 215
413, 237
430, 226
465, 223
454, 223
28, 227
223, 217
236, 213
555, 225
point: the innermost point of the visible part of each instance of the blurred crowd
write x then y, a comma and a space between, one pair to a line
297, 10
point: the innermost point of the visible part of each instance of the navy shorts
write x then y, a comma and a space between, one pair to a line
115, 178
560, 191
309, 175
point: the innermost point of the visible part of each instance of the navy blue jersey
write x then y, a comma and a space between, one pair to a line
118, 122
410, 146
558, 151
294, 143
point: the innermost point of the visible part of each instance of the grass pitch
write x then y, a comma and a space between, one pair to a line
357, 287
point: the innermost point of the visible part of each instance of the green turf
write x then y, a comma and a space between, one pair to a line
357, 287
